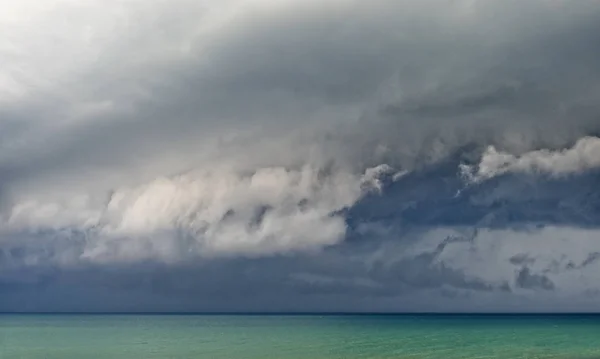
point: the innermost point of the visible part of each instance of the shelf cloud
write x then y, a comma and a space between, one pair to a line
254, 155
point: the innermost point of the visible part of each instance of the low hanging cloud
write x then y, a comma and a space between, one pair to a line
206, 214
393, 155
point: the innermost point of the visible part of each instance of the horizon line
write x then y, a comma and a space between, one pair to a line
300, 313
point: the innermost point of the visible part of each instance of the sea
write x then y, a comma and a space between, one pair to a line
314, 336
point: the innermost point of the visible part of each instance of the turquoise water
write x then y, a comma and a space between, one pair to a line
298, 337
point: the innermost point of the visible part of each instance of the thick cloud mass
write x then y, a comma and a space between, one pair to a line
300, 155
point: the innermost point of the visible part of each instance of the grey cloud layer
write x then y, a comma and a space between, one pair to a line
354, 137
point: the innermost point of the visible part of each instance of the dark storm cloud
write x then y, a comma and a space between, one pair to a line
591, 259
520, 259
429, 66
438, 196
326, 282
296, 155
526, 279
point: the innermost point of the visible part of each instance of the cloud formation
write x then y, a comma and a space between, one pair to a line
200, 214
583, 156
394, 155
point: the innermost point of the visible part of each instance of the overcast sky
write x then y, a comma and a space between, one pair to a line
300, 155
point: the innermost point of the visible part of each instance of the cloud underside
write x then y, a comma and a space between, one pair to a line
295, 155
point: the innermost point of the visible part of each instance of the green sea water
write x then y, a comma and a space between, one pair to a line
299, 337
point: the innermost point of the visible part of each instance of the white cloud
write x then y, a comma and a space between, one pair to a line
568, 257
374, 177
218, 212
556, 252
583, 156
201, 213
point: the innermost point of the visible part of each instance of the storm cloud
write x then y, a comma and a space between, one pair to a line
299, 155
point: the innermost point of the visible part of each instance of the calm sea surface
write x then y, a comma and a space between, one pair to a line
298, 337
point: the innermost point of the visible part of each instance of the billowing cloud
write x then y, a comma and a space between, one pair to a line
394, 155
583, 156
203, 214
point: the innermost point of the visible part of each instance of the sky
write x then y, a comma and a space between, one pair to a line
300, 155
